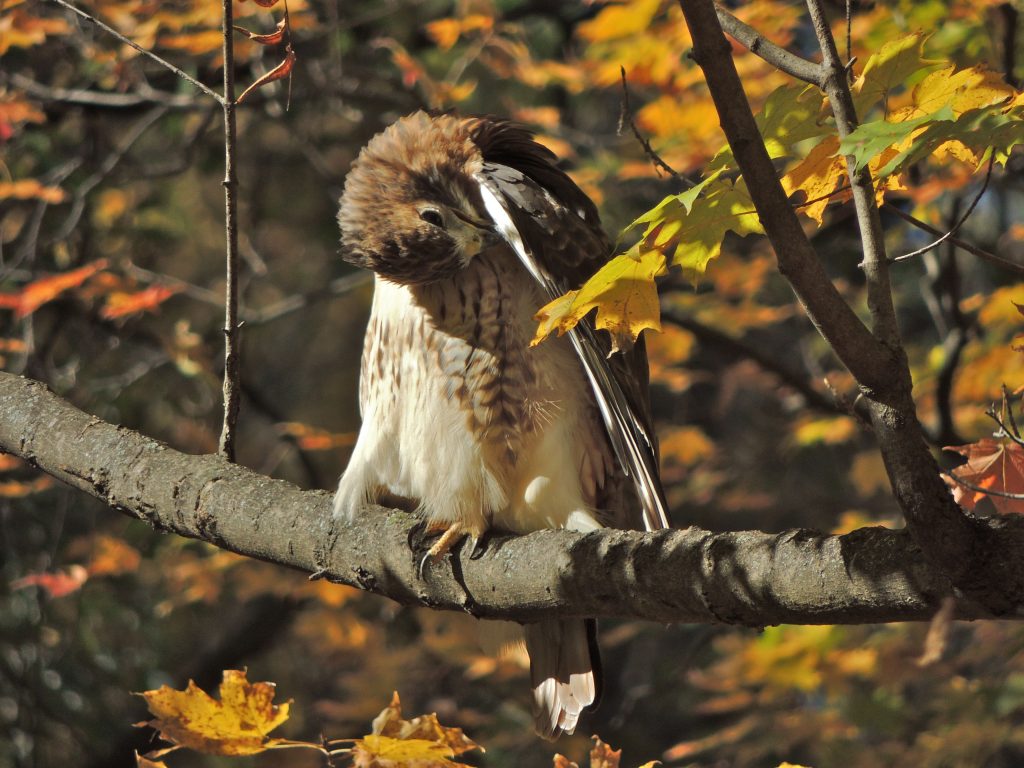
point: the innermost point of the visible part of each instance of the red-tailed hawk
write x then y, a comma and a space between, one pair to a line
470, 227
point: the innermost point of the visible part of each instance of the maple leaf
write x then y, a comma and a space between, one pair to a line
56, 583
622, 291
887, 69
238, 724
418, 743
817, 176
992, 465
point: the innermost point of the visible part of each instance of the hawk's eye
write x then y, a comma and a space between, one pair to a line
432, 216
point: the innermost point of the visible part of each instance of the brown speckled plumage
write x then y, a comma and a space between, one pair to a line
459, 413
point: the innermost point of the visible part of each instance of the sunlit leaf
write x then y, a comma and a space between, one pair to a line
992, 465
238, 724
818, 175
418, 743
623, 292
887, 69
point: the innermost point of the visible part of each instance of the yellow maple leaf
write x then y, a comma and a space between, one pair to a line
817, 176
418, 743
725, 207
623, 292
887, 69
238, 724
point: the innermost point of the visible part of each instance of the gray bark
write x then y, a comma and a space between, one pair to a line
749, 578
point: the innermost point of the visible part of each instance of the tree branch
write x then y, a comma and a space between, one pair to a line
748, 578
778, 57
868, 361
948, 538
874, 264
231, 327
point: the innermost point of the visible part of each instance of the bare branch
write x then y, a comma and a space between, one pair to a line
957, 226
963, 245
626, 116
231, 328
128, 41
837, 86
748, 578
778, 57
796, 380
142, 96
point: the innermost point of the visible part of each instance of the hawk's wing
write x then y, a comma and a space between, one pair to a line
561, 243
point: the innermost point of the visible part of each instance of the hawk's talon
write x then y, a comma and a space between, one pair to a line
452, 534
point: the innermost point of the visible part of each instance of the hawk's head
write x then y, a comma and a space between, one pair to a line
411, 210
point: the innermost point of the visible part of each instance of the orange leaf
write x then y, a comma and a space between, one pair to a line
112, 556
263, 3
272, 38
121, 303
15, 489
992, 465
281, 70
238, 724
56, 583
31, 189
313, 439
141, 761
603, 756
39, 292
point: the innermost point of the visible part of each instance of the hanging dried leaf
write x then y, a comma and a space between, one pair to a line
271, 38
123, 303
282, 70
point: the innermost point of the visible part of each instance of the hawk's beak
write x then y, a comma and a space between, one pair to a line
489, 236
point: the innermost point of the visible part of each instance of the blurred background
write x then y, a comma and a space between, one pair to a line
111, 272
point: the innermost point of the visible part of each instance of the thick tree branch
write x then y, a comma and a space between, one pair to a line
690, 575
868, 360
949, 539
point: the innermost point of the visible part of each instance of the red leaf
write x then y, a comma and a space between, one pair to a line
57, 583
46, 289
991, 466
281, 70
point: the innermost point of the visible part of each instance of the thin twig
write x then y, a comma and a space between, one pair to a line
127, 41
286, 306
778, 57
956, 227
987, 491
963, 245
142, 96
876, 273
1007, 401
626, 116
231, 328
1002, 426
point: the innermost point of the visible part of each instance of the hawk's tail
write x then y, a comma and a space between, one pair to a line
565, 671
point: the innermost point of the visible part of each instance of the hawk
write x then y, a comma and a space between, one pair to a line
469, 227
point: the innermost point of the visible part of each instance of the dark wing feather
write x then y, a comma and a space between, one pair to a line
554, 230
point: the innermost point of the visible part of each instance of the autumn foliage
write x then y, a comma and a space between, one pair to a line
111, 243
